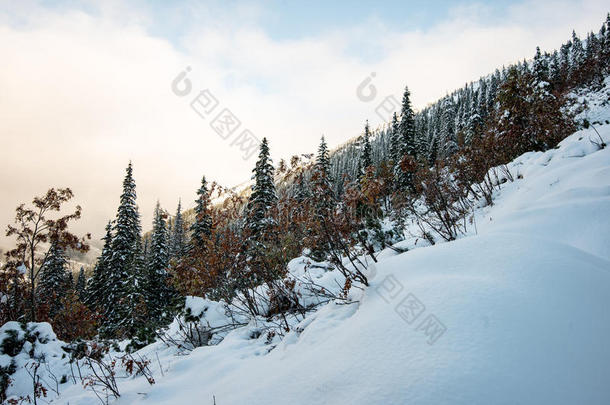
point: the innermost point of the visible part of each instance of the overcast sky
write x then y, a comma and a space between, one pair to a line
87, 86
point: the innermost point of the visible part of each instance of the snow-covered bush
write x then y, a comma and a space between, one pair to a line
32, 359
201, 322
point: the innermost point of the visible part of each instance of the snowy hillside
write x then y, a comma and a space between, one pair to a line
513, 312
522, 302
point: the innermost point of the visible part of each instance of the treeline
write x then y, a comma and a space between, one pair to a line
450, 123
427, 168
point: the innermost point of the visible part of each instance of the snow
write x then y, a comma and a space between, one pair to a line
503, 331
596, 104
40, 344
513, 312
520, 308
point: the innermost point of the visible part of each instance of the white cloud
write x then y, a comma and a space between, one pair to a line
82, 94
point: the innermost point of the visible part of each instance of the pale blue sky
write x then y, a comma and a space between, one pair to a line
284, 20
89, 80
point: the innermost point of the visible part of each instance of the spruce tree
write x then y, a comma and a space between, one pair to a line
433, 152
263, 197
564, 62
405, 144
540, 67
407, 125
421, 138
158, 288
80, 284
138, 322
577, 57
54, 276
301, 190
127, 231
448, 131
324, 199
323, 180
97, 284
366, 160
70, 281
178, 236
201, 229
475, 121
605, 45
395, 140
555, 71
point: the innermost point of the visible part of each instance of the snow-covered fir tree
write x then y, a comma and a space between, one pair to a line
158, 294
540, 68
395, 140
366, 160
70, 281
201, 229
127, 231
54, 276
79, 287
324, 200
405, 144
178, 235
97, 283
138, 324
323, 180
577, 57
407, 125
262, 198
448, 133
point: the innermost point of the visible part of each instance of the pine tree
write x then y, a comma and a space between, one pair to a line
577, 57
475, 121
405, 145
407, 125
564, 62
97, 284
365, 156
70, 281
531, 117
433, 152
127, 231
138, 322
54, 276
555, 77
259, 225
301, 190
201, 229
395, 140
158, 290
80, 284
178, 236
448, 133
322, 169
421, 138
540, 67
481, 99
605, 45
324, 199
263, 197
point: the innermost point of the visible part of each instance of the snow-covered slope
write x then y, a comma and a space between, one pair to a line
516, 313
